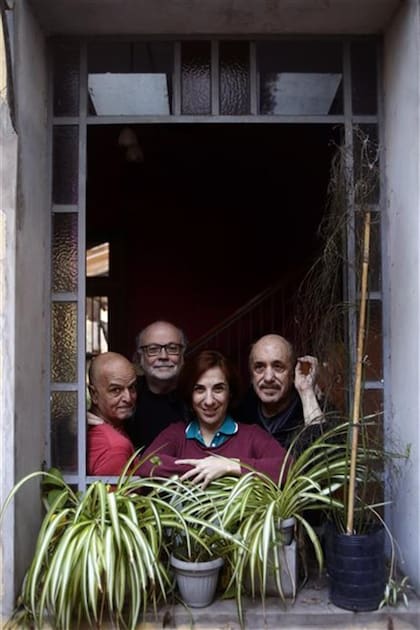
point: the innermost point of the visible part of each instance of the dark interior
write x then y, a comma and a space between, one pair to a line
215, 214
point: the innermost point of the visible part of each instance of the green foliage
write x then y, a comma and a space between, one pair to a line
258, 505
374, 464
98, 553
396, 591
251, 509
204, 536
103, 554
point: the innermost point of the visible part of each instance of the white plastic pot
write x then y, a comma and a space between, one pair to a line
197, 581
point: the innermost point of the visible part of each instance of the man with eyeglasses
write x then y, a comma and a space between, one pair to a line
160, 351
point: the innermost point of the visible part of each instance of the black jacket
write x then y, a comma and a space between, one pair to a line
154, 412
284, 427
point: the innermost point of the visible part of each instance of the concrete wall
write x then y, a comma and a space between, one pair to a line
24, 260
402, 268
213, 16
8, 164
26, 272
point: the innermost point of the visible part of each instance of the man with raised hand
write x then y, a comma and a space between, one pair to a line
282, 398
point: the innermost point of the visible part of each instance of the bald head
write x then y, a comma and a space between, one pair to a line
160, 348
105, 363
271, 363
275, 344
112, 386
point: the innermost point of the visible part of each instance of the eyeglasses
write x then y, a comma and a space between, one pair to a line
154, 349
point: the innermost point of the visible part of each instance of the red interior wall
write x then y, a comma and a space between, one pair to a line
214, 215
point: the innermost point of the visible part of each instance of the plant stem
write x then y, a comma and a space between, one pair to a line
358, 378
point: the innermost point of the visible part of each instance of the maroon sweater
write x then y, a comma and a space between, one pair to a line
252, 445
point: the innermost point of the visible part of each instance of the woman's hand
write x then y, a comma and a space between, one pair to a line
207, 469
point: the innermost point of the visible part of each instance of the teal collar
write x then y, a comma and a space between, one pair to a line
229, 427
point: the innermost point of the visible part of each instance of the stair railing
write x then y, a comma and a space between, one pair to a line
264, 313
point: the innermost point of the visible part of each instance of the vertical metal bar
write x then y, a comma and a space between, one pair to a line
349, 271
177, 76
385, 281
81, 293
88, 323
50, 191
253, 78
98, 324
214, 74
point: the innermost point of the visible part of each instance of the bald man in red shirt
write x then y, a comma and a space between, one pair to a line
112, 387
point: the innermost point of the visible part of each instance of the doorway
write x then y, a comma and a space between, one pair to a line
204, 218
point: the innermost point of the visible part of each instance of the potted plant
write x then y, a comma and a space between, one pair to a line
356, 528
98, 554
355, 554
196, 571
254, 509
355, 549
198, 552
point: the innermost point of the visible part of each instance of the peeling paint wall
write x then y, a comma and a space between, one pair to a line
8, 165
402, 268
24, 313
25, 251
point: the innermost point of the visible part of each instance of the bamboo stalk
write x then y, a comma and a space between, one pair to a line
358, 377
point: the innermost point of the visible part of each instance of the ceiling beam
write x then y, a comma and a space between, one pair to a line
206, 17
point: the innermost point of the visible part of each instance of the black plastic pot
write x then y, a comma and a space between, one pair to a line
356, 568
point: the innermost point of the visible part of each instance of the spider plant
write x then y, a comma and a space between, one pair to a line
253, 507
98, 553
204, 536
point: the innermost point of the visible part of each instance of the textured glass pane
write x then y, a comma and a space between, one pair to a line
300, 78
64, 342
66, 79
364, 77
373, 346
65, 164
130, 78
366, 154
64, 431
64, 252
234, 78
196, 89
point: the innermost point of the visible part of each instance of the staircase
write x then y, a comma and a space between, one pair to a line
268, 311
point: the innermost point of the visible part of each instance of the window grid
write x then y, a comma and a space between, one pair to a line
348, 120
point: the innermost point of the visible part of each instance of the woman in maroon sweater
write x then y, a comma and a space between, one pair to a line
212, 444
